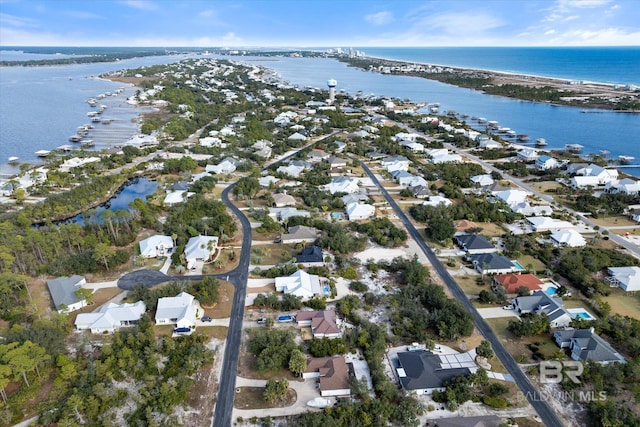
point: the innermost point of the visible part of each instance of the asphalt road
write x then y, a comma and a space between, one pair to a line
239, 277
549, 418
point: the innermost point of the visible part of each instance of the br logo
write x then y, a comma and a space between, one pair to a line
552, 371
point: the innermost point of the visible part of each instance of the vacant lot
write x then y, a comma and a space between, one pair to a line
612, 221
624, 304
469, 286
222, 309
527, 261
518, 347
252, 398
544, 187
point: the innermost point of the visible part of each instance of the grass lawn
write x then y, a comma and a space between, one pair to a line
538, 265
544, 187
219, 332
266, 237
518, 346
272, 254
623, 304
222, 309
469, 286
490, 229
612, 221
252, 398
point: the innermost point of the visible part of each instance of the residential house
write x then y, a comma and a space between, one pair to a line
408, 137
110, 317
310, 256
376, 155
155, 246
199, 248
419, 191
442, 155
624, 186
484, 180
474, 244
300, 233
527, 155
359, 211
394, 163
585, 344
332, 373
545, 162
340, 146
283, 214
63, 293
180, 310
297, 137
337, 162
342, 184
317, 156
354, 197
266, 181
513, 282
526, 209
323, 323
227, 165
176, 197
437, 201
545, 223
302, 284
626, 278
294, 168
212, 141
414, 147
511, 197
412, 181
491, 263
424, 372
592, 176
488, 143
281, 200
568, 238
542, 303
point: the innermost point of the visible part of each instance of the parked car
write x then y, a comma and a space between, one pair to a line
507, 307
181, 330
261, 320
206, 319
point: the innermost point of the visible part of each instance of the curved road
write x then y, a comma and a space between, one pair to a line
549, 418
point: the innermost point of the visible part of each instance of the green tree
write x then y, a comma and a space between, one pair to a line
276, 389
484, 349
102, 252
297, 362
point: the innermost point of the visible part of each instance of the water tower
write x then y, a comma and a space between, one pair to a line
332, 83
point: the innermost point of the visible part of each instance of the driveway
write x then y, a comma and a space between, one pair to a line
496, 312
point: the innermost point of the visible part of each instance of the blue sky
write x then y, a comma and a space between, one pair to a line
327, 23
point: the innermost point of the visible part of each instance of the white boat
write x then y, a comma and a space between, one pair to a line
625, 160
574, 148
65, 147
511, 133
541, 142
106, 121
95, 119
482, 120
504, 130
42, 153
75, 138
13, 160
87, 143
92, 113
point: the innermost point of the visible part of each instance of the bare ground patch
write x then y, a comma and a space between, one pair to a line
222, 309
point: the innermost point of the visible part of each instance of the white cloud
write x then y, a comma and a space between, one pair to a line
15, 21
583, 4
141, 4
207, 13
379, 18
460, 23
549, 32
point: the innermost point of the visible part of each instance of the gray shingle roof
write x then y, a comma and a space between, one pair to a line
62, 290
423, 370
473, 241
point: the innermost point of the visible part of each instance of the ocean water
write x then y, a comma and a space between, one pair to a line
41, 107
615, 65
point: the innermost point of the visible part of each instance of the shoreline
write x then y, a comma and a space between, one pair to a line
498, 72
578, 94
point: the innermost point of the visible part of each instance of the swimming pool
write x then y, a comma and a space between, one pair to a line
551, 290
580, 313
518, 265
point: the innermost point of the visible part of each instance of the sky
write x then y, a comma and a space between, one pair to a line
319, 23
